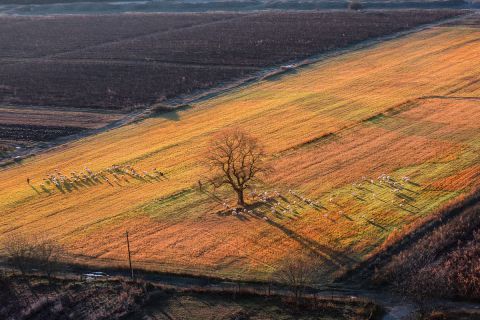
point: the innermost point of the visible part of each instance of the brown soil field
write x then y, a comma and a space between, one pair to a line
128, 61
55, 118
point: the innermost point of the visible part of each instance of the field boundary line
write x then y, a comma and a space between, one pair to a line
139, 36
104, 61
206, 94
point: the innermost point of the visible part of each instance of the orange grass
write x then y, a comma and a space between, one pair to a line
388, 110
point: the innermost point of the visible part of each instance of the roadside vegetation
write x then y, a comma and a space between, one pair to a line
444, 262
35, 297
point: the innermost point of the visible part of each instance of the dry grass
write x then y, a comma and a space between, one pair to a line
442, 263
388, 109
207, 305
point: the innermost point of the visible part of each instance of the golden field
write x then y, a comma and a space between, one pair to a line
404, 108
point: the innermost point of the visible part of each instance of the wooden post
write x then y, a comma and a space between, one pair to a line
129, 256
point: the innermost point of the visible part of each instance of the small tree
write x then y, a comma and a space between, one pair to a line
28, 252
47, 255
298, 273
235, 158
19, 252
355, 5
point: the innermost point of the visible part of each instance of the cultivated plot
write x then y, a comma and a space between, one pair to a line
362, 144
123, 62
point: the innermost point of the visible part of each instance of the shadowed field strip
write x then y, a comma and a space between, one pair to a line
362, 144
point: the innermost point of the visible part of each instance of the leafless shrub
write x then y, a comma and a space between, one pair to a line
445, 262
25, 253
47, 254
298, 273
19, 252
355, 5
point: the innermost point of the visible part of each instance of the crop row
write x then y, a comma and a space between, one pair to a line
40, 36
123, 62
264, 39
108, 86
34, 133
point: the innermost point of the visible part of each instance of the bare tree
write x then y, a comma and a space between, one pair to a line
298, 273
47, 256
29, 252
235, 158
355, 5
19, 252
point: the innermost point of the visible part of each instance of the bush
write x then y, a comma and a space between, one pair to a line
355, 5
443, 263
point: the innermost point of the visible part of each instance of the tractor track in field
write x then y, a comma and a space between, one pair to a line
204, 94
13, 60
129, 62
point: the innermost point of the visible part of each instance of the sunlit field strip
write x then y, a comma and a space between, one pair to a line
383, 110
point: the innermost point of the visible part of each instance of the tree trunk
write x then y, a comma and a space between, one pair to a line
241, 201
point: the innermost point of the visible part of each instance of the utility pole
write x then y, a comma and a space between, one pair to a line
129, 256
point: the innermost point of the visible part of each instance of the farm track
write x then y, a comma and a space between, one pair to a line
60, 141
208, 53
203, 95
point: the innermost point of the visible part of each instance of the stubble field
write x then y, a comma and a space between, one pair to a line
362, 144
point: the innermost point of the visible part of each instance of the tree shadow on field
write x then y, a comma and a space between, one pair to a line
170, 113
227, 213
330, 256
276, 76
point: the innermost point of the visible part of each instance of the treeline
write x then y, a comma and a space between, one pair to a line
28, 254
